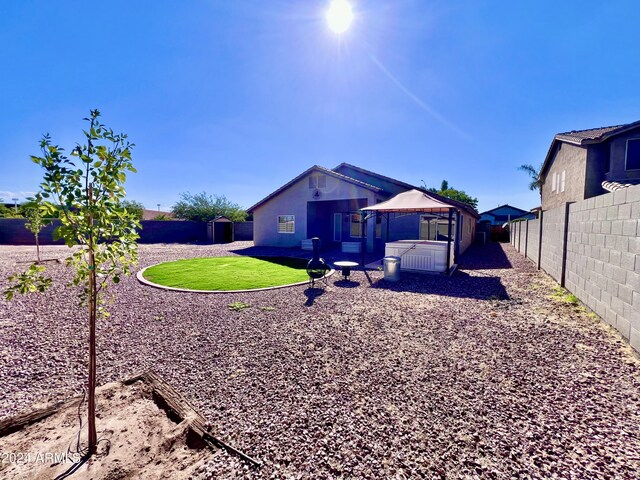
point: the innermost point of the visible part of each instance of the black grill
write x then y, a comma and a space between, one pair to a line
317, 267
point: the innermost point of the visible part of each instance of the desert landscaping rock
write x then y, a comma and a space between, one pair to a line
481, 375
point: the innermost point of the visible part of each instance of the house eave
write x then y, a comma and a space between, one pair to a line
319, 169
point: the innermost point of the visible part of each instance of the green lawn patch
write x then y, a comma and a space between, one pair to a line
228, 273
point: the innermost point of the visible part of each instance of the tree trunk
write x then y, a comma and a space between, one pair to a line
93, 437
93, 304
37, 248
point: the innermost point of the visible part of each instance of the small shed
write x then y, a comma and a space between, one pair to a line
220, 230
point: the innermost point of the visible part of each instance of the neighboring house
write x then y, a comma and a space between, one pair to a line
585, 163
504, 213
326, 203
152, 214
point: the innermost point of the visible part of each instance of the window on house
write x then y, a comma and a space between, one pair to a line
317, 181
562, 180
379, 226
286, 224
432, 228
553, 182
633, 154
470, 226
356, 225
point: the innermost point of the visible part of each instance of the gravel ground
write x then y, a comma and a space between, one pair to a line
481, 375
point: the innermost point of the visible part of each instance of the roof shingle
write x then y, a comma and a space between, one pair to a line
577, 136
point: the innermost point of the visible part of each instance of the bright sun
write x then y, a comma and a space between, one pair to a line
339, 16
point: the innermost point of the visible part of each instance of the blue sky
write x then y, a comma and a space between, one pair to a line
237, 97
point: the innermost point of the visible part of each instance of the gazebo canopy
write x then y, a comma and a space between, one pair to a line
411, 201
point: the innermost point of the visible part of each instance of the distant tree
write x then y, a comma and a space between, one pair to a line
36, 221
5, 212
534, 174
87, 190
162, 216
453, 194
134, 208
203, 207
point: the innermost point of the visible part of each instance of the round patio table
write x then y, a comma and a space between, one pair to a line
346, 267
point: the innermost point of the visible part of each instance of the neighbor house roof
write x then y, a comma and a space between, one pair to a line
586, 137
503, 206
319, 169
151, 214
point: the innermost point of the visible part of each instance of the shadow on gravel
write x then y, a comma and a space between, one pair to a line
312, 294
485, 257
461, 285
346, 284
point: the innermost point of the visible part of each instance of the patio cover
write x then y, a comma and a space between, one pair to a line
411, 201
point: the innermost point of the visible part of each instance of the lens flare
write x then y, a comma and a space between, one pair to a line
339, 16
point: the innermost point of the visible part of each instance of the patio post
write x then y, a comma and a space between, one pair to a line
449, 241
388, 213
457, 237
362, 239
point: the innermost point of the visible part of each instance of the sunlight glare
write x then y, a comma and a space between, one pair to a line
339, 16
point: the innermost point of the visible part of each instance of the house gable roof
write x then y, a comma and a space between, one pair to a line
586, 137
374, 174
366, 185
488, 212
316, 168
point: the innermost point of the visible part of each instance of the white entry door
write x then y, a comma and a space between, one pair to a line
337, 227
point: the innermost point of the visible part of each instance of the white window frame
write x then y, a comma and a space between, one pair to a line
563, 178
315, 181
553, 182
351, 222
626, 151
293, 219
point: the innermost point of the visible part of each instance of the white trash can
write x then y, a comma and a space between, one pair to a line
392, 268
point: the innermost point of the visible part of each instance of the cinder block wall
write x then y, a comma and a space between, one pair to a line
243, 231
533, 241
601, 252
13, 232
552, 242
603, 258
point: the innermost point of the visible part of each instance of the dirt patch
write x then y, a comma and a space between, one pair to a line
136, 440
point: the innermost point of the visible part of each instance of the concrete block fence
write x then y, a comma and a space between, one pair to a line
592, 248
13, 232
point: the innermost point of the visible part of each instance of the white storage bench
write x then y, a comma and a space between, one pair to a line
308, 244
351, 247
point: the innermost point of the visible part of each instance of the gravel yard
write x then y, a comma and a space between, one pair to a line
481, 375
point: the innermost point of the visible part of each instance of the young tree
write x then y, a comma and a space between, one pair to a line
35, 222
536, 182
87, 190
203, 208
